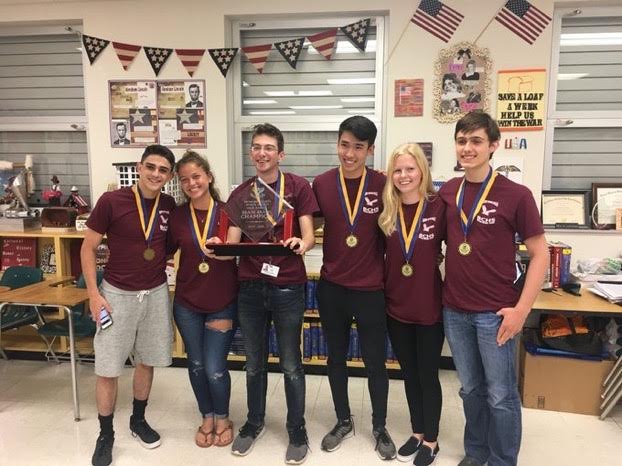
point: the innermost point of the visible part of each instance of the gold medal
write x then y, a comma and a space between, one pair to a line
203, 267
352, 241
149, 254
407, 270
465, 248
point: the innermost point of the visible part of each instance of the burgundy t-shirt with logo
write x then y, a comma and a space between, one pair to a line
483, 280
292, 270
116, 216
416, 299
360, 267
201, 292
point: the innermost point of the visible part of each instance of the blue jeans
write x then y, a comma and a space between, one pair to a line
487, 373
258, 303
207, 350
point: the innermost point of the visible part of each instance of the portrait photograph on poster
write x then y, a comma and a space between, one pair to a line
462, 82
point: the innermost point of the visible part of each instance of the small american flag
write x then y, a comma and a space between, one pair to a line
437, 18
523, 19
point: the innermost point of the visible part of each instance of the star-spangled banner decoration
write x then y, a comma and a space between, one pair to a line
190, 58
140, 117
187, 115
324, 42
223, 58
523, 19
126, 53
93, 46
258, 55
357, 33
290, 50
437, 18
157, 57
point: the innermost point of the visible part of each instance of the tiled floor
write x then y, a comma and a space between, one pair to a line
37, 427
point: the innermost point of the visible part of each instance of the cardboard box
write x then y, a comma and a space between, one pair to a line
562, 384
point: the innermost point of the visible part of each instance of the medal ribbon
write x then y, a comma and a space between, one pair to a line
200, 237
276, 207
408, 237
149, 229
352, 214
479, 200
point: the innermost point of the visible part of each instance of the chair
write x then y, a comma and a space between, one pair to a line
83, 325
14, 317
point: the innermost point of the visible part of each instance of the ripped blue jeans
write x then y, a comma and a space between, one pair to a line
207, 350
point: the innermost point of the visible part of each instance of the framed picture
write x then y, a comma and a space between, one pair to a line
462, 82
565, 209
606, 198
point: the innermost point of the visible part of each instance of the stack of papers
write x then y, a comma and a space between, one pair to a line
610, 291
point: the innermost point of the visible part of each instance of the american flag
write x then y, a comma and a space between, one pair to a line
523, 19
437, 18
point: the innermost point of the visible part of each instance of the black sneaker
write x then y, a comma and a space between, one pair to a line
407, 452
342, 430
298, 446
426, 455
143, 432
468, 461
243, 443
103, 451
384, 444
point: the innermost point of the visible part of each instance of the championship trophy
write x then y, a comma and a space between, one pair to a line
257, 210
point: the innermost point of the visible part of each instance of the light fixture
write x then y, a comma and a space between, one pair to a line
352, 81
259, 101
272, 112
358, 99
346, 47
570, 76
314, 107
296, 93
593, 38
361, 111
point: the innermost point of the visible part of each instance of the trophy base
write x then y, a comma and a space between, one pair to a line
251, 249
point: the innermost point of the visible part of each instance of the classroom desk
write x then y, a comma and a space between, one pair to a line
56, 292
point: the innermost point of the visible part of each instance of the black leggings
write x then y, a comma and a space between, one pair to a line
418, 349
338, 307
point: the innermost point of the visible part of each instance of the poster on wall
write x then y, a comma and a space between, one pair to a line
181, 113
171, 113
408, 97
520, 99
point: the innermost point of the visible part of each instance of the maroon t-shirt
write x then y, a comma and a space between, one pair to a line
202, 292
116, 216
361, 267
483, 280
416, 299
291, 268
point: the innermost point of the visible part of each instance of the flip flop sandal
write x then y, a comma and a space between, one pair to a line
204, 439
217, 436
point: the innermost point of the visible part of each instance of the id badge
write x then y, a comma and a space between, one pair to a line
270, 270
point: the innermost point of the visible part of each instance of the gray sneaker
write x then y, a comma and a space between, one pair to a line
243, 443
342, 430
384, 444
298, 446
468, 461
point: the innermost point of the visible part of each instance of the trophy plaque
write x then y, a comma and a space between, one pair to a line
257, 210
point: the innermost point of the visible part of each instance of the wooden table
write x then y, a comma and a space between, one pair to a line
587, 303
56, 292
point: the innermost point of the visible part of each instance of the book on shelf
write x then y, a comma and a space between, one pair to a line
306, 341
315, 340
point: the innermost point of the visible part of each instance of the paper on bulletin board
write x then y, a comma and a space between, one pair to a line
510, 166
520, 99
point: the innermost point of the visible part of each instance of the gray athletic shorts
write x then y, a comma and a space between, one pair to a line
141, 324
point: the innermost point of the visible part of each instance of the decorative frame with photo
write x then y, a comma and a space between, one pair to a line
462, 82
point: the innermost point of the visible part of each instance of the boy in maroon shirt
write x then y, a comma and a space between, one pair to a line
273, 288
134, 292
483, 309
351, 279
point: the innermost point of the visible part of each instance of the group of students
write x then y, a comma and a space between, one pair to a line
381, 256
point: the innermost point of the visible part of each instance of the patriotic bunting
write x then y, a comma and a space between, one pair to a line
190, 58
357, 33
437, 18
258, 55
290, 50
523, 19
93, 46
324, 42
126, 53
223, 58
157, 57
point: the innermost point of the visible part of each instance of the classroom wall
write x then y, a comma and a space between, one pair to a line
410, 53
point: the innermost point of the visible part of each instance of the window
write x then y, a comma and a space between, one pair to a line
307, 103
584, 131
42, 110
